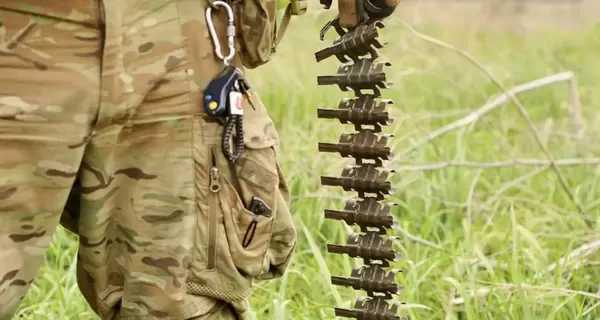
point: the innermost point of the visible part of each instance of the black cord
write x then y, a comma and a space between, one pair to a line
234, 123
249, 235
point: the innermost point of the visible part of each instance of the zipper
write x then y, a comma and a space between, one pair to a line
214, 187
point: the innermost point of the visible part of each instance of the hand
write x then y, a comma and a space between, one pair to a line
375, 9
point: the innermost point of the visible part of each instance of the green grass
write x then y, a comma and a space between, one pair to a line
514, 227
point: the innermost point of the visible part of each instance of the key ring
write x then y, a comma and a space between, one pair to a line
230, 31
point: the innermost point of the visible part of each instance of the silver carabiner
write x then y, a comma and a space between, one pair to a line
230, 31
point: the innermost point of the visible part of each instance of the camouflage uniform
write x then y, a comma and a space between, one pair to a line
102, 129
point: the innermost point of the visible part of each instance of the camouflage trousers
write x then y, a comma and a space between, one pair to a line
102, 130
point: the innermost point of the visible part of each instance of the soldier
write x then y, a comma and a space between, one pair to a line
103, 129
101, 111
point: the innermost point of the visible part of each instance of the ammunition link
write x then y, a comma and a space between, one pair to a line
357, 50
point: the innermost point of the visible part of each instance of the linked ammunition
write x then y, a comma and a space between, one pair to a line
369, 147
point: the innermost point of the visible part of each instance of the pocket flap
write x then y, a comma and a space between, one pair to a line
259, 129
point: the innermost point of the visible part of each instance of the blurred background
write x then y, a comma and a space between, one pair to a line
489, 229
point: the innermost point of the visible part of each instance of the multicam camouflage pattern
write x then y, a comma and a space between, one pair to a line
257, 20
102, 113
259, 30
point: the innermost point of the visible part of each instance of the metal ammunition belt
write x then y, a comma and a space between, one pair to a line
357, 51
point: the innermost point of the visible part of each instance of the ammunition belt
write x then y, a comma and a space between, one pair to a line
357, 51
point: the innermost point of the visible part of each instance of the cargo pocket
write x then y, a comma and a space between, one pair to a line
256, 30
249, 232
245, 231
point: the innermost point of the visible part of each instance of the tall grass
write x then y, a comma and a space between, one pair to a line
494, 227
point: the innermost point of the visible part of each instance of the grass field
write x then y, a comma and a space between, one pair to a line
498, 228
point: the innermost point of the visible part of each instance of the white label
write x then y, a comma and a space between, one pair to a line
236, 103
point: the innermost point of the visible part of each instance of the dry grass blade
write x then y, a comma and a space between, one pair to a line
318, 256
417, 239
592, 307
509, 185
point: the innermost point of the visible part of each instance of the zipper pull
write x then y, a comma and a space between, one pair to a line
214, 180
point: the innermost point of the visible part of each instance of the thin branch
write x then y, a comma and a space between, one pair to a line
414, 166
520, 107
484, 292
487, 107
416, 239
483, 263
